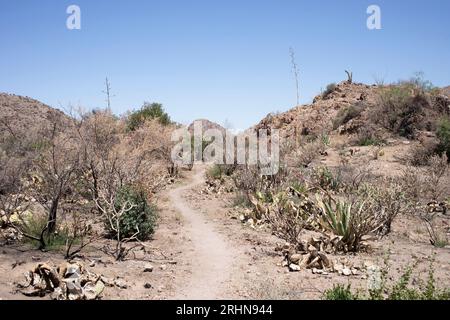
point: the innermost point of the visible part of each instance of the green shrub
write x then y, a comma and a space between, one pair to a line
141, 218
401, 109
215, 172
218, 171
443, 134
367, 136
35, 224
147, 112
402, 289
340, 292
325, 139
326, 179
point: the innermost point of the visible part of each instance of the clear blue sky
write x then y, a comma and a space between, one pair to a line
216, 59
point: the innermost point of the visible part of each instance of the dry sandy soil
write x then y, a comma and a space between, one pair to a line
201, 251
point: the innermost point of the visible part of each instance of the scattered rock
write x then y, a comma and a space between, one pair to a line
148, 268
346, 272
338, 267
294, 267
317, 271
120, 283
148, 286
296, 258
92, 291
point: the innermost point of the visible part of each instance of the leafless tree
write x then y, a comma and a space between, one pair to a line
79, 236
107, 204
57, 165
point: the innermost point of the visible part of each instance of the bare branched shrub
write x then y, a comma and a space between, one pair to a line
437, 238
98, 133
79, 235
309, 152
413, 184
57, 166
107, 203
437, 170
249, 180
420, 154
288, 214
12, 199
386, 201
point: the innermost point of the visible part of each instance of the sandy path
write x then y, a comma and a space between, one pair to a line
211, 257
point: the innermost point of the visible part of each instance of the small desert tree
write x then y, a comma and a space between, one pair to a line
147, 112
127, 215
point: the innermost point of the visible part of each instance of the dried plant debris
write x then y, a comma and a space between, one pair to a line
70, 281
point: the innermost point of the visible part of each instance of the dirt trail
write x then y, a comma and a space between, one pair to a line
211, 257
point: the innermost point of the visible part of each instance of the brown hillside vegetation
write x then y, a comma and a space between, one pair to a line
24, 114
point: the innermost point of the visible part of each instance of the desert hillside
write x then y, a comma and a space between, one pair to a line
24, 114
92, 206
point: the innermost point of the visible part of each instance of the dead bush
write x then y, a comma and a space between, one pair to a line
420, 154
436, 172
309, 152
79, 235
249, 180
288, 213
386, 200
57, 167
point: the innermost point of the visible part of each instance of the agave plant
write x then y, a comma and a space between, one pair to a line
348, 220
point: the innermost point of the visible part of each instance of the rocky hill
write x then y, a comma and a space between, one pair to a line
206, 125
24, 115
317, 117
322, 115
